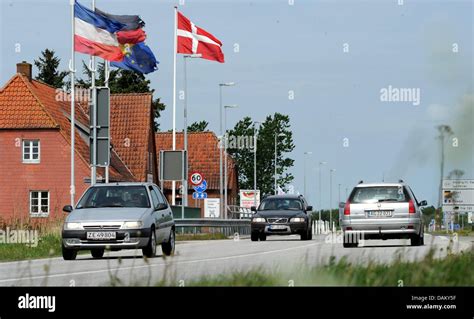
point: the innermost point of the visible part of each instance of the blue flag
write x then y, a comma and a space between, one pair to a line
138, 58
97, 20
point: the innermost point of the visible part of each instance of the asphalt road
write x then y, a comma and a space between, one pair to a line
196, 258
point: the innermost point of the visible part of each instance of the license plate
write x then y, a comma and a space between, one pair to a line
101, 235
379, 213
277, 227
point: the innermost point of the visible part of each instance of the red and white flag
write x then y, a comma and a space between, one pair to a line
195, 40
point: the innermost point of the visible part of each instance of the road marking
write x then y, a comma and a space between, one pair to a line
160, 264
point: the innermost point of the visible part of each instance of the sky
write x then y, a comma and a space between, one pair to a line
333, 57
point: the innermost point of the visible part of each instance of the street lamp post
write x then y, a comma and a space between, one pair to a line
304, 170
185, 132
225, 156
276, 159
221, 184
320, 187
332, 170
255, 132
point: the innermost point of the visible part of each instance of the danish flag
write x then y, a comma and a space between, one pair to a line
195, 40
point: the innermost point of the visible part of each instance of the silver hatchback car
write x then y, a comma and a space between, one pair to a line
382, 211
119, 216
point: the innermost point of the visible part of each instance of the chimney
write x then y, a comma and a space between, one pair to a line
25, 69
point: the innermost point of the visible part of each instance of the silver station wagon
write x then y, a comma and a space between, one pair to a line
119, 216
382, 211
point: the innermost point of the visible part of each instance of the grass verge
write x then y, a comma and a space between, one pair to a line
48, 246
454, 270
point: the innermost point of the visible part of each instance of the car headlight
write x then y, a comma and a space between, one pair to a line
132, 225
258, 220
72, 226
297, 220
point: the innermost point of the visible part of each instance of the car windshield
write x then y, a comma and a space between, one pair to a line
281, 204
114, 196
379, 194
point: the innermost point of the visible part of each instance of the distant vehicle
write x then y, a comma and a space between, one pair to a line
281, 215
382, 211
119, 216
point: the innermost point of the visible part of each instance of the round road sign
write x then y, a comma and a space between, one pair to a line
196, 178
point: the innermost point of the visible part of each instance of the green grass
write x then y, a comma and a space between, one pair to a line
454, 270
48, 246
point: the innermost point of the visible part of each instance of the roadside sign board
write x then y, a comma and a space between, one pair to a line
102, 145
247, 198
458, 183
211, 208
458, 196
171, 165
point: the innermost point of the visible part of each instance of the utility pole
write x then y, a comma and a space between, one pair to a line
445, 131
332, 170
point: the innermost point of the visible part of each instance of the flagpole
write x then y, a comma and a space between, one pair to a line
107, 75
175, 48
94, 117
72, 190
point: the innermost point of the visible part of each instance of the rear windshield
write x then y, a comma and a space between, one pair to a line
379, 194
114, 196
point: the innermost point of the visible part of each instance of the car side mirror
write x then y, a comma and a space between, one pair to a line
67, 208
423, 203
309, 208
161, 206
253, 208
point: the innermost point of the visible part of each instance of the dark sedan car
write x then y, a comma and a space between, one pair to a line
281, 215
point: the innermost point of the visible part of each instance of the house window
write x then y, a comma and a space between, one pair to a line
39, 203
31, 151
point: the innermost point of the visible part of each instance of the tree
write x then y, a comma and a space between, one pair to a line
48, 73
123, 81
456, 173
198, 126
241, 146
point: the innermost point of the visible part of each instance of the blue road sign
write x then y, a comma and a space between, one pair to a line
200, 190
199, 195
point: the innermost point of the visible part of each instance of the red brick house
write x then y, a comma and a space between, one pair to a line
203, 157
35, 146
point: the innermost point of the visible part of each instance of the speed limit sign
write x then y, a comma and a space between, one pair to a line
196, 178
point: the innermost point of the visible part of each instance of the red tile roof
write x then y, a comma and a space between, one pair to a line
131, 129
33, 105
203, 156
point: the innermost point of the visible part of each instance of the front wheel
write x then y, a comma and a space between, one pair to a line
150, 250
168, 247
263, 237
69, 254
254, 236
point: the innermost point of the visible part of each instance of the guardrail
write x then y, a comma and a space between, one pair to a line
238, 212
227, 227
